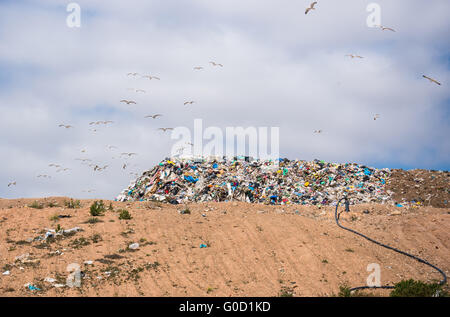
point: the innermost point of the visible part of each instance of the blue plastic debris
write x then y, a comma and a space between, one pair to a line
33, 288
203, 246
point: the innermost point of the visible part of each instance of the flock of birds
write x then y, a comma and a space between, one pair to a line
352, 56
98, 167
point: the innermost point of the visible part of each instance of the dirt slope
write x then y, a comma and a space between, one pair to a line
252, 250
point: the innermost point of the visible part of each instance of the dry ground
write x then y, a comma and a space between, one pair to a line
253, 250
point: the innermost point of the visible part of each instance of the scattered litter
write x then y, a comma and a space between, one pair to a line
52, 233
203, 246
88, 262
6, 273
133, 246
49, 280
32, 287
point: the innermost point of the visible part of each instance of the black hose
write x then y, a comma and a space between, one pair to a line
336, 216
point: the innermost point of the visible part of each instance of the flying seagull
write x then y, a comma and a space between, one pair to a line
432, 80
62, 169
165, 129
45, 176
383, 28
377, 116
132, 74
128, 101
65, 126
153, 116
129, 154
311, 7
98, 168
189, 103
317, 131
151, 77
54, 165
353, 56
216, 64
198, 68
12, 183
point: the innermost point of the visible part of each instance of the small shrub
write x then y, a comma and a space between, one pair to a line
93, 220
97, 208
54, 218
72, 204
36, 205
344, 291
286, 292
411, 288
124, 214
79, 243
96, 238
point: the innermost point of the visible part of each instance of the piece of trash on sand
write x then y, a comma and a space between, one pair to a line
49, 280
31, 287
6, 273
203, 246
133, 246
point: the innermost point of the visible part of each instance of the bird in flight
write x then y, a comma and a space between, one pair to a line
383, 28
63, 170
12, 183
151, 77
89, 191
83, 160
98, 168
198, 68
311, 7
353, 56
112, 147
189, 103
54, 165
140, 90
165, 129
129, 154
432, 80
317, 131
65, 126
128, 101
124, 166
153, 116
377, 116
216, 64
132, 74
45, 176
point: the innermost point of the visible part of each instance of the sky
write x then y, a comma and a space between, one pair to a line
281, 68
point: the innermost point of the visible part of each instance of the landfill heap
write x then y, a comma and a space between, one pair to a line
288, 182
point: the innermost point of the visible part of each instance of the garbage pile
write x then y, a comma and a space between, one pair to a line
285, 181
